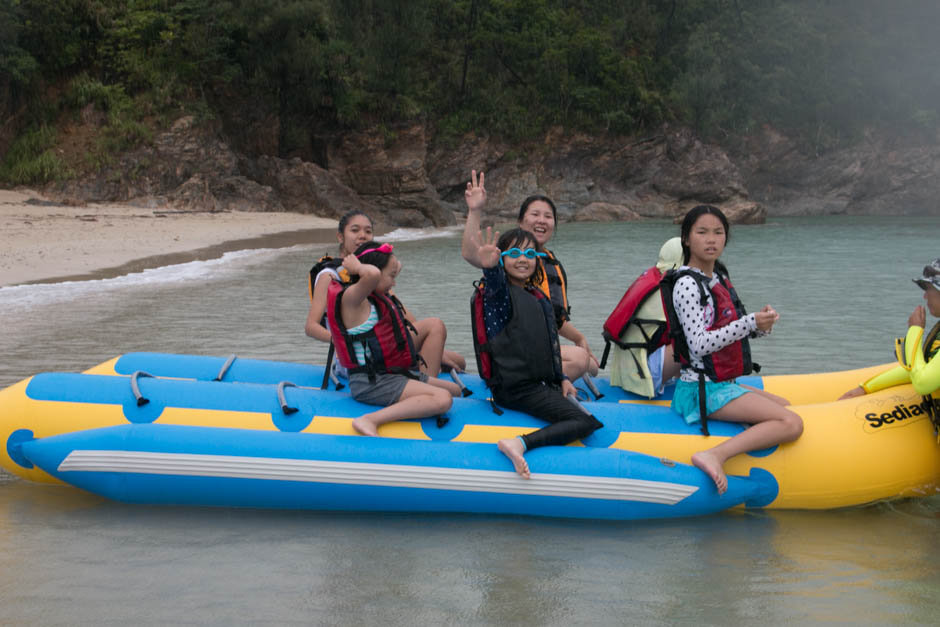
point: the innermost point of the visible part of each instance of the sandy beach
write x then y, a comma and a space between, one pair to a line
45, 242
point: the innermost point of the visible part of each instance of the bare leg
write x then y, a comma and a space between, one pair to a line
514, 449
575, 362
450, 386
777, 399
772, 424
417, 400
430, 343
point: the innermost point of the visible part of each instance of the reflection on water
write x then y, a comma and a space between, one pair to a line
843, 288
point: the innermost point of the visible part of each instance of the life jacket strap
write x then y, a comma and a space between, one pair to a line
702, 406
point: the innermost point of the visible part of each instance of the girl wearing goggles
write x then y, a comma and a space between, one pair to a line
521, 340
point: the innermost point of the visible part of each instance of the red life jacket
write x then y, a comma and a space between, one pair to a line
646, 286
390, 347
726, 364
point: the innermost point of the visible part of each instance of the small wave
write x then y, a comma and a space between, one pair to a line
402, 235
31, 295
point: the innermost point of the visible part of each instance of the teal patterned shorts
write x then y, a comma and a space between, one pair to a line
717, 395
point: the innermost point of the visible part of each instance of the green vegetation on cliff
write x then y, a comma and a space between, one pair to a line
818, 70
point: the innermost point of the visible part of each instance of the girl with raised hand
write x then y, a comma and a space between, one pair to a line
430, 334
374, 343
524, 355
711, 343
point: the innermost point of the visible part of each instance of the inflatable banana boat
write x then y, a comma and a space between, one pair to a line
182, 429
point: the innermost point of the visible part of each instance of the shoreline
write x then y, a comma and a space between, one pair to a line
46, 242
283, 239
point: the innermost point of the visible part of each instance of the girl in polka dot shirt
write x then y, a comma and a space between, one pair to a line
704, 234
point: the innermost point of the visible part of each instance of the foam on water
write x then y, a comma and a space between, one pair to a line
401, 235
18, 297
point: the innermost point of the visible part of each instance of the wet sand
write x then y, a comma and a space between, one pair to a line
43, 242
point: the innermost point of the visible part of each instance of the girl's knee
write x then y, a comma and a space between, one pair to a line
576, 360
443, 400
793, 424
435, 326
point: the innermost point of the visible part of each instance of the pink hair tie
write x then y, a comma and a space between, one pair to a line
384, 248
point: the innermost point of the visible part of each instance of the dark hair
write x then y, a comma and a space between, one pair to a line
531, 199
517, 238
689, 221
374, 258
349, 215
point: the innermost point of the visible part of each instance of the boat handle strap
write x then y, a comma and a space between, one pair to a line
591, 386
141, 401
225, 367
287, 409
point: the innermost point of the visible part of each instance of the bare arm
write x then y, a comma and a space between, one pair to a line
476, 199
355, 305
313, 327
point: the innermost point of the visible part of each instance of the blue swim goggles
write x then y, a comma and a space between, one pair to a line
515, 253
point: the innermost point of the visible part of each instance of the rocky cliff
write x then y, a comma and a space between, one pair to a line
408, 178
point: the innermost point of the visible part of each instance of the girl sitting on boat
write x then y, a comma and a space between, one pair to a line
523, 356
710, 331
374, 342
430, 334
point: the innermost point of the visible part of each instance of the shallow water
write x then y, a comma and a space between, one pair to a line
843, 289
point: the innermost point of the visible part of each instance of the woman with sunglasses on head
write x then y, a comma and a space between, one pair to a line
918, 366
710, 331
521, 335
430, 334
539, 216
374, 343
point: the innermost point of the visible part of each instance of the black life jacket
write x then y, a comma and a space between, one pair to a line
726, 364
390, 346
525, 350
324, 263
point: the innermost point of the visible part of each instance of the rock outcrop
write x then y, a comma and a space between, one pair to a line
885, 173
661, 175
394, 176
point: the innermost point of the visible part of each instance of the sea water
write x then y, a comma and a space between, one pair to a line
843, 289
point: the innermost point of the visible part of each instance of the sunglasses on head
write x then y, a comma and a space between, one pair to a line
384, 248
515, 253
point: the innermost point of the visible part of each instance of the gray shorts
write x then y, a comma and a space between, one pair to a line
385, 391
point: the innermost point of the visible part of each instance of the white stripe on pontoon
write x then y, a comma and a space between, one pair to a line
394, 475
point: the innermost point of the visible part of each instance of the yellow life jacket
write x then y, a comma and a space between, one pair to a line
554, 284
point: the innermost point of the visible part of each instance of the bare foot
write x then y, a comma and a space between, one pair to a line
709, 464
363, 425
514, 450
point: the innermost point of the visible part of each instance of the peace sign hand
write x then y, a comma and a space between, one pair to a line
476, 192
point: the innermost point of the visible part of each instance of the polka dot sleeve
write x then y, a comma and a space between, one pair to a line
696, 319
497, 306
